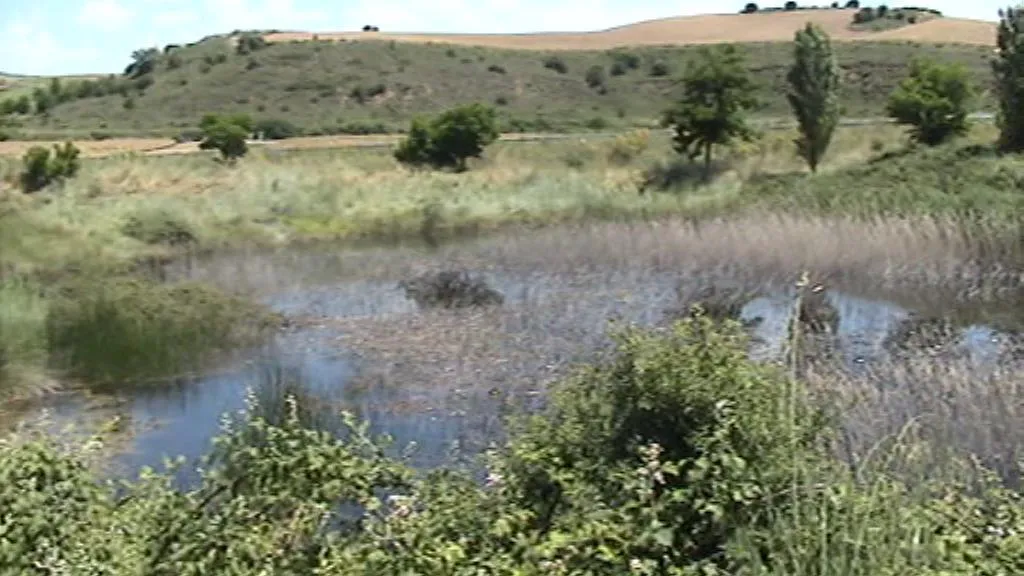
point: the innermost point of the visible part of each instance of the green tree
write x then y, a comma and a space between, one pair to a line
450, 139
813, 93
143, 62
933, 101
226, 134
717, 93
1008, 68
43, 100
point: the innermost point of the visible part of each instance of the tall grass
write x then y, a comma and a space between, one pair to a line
105, 332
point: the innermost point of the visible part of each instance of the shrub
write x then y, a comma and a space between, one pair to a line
750, 8
852, 4
864, 15
449, 139
660, 68
625, 59
618, 69
628, 146
597, 123
595, 77
226, 134
248, 43
40, 168
933, 101
557, 64
159, 227
174, 61
496, 69
791, 5
501, 101
450, 289
276, 129
363, 93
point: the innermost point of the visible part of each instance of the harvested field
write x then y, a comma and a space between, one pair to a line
704, 29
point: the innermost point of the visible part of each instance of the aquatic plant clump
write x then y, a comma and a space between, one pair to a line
450, 289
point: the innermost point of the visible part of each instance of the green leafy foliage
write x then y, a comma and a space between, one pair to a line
933, 100
717, 93
814, 93
677, 457
1008, 67
450, 139
276, 129
42, 168
226, 134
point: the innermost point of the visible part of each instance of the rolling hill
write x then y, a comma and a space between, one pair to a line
688, 30
376, 82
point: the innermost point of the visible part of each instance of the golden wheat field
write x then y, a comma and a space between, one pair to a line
704, 29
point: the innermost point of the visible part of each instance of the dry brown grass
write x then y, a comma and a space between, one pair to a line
166, 146
704, 29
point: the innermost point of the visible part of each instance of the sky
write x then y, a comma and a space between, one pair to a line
48, 37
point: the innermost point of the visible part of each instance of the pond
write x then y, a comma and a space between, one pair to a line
440, 382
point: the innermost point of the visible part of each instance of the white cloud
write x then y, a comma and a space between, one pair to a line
107, 14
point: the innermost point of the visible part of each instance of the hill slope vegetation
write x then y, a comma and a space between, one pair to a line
342, 86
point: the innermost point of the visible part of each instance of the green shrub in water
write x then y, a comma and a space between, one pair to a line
111, 330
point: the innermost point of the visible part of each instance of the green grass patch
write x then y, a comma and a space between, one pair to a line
110, 331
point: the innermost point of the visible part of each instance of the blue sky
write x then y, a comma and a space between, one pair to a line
87, 36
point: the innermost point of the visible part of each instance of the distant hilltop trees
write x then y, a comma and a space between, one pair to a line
849, 5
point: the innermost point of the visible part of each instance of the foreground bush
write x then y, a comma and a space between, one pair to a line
42, 169
678, 457
450, 139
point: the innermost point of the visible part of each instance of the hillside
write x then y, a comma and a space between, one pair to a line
345, 86
686, 30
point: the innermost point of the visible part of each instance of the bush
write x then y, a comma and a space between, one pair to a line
626, 147
496, 69
660, 68
174, 62
449, 139
595, 76
557, 64
864, 15
226, 134
933, 101
159, 227
618, 69
363, 93
853, 4
750, 8
249, 43
791, 5
41, 168
450, 289
276, 129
